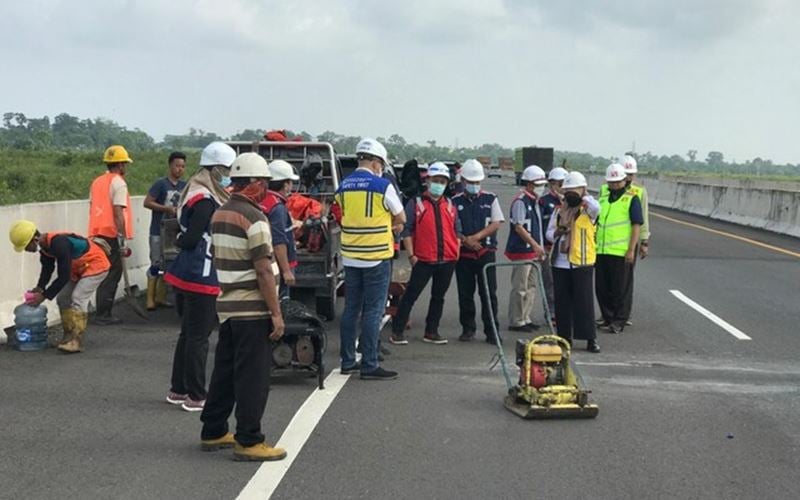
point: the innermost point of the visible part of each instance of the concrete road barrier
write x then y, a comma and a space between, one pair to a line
21, 270
767, 205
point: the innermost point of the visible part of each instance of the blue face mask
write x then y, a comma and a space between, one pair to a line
225, 181
472, 188
436, 189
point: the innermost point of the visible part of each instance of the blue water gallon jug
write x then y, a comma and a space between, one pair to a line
30, 324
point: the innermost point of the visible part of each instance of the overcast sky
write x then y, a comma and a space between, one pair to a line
584, 75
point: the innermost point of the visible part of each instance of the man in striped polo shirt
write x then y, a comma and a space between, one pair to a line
249, 316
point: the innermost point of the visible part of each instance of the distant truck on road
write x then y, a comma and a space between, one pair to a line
533, 155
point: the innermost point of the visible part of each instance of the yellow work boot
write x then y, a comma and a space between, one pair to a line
226, 441
151, 293
161, 293
75, 344
260, 452
68, 325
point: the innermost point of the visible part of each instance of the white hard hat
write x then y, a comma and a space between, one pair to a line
281, 170
217, 153
249, 165
534, 174
630, 164
574, 180
372, 147
557, 174
439, 169
615, 172
472, 170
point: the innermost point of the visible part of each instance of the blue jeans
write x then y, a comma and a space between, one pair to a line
366, 291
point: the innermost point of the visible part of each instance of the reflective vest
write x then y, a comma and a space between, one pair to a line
475, 213
269, 203
435, 238
193, 269
88, 258
582, 243
516, 247
101, 212
614, 224
366, 223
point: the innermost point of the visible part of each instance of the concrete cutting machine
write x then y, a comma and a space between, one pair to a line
549, 386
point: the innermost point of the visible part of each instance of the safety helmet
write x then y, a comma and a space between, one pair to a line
574, 180
557, 174
630, 164
472, 170
21, 234
372, 147
249, 165
217, 153
282, 170
438, 169
116, 154
534, 174
615, 172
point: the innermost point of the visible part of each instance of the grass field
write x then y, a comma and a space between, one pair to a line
36, 176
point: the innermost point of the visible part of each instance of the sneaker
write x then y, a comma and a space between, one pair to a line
592, 346
398, 338
379, 374
226, 441
601, 322
628, 323
174, 398
260, 452
521, 328
106, 320
466, 336
434, 338
192, 405
353, 369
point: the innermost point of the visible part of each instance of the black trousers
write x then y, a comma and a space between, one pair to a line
421, 273
241, 378
628, 300
198, 314
611, 274
108, 287
574, 302
469, 274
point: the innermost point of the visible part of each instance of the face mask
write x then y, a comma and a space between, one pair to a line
225, 181
472, 188
540, 190
617, 192
436, 189
572, 199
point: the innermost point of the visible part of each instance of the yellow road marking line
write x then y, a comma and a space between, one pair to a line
729, 235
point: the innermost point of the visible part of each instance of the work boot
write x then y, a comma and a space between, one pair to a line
68, 325
161, 293
592, 346
260, 452
75, 344
151, 293
225, 441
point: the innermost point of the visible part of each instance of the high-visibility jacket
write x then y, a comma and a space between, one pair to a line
582, 245
435, 239
101, 211
366, 222
88, 258
614, 225
641, 192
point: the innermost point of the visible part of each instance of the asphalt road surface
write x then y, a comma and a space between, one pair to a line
687, 409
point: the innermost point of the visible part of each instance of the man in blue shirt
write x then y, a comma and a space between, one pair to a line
162, 199
274, 206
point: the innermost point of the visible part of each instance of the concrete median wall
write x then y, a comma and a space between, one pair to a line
748, 202
21, 270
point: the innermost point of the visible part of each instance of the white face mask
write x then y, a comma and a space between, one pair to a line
540, 190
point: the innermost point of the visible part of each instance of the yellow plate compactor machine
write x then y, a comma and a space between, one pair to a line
549, 386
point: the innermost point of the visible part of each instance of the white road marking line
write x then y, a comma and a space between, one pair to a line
269, 475
708, 314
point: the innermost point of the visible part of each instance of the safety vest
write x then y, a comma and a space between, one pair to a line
582, 244
101, 211
193, 269
614, 224
88, 258
272, 200
366, 223
516, 247
475, 213
435, 238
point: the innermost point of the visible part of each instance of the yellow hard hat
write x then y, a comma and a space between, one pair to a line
21, 234
116, 154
